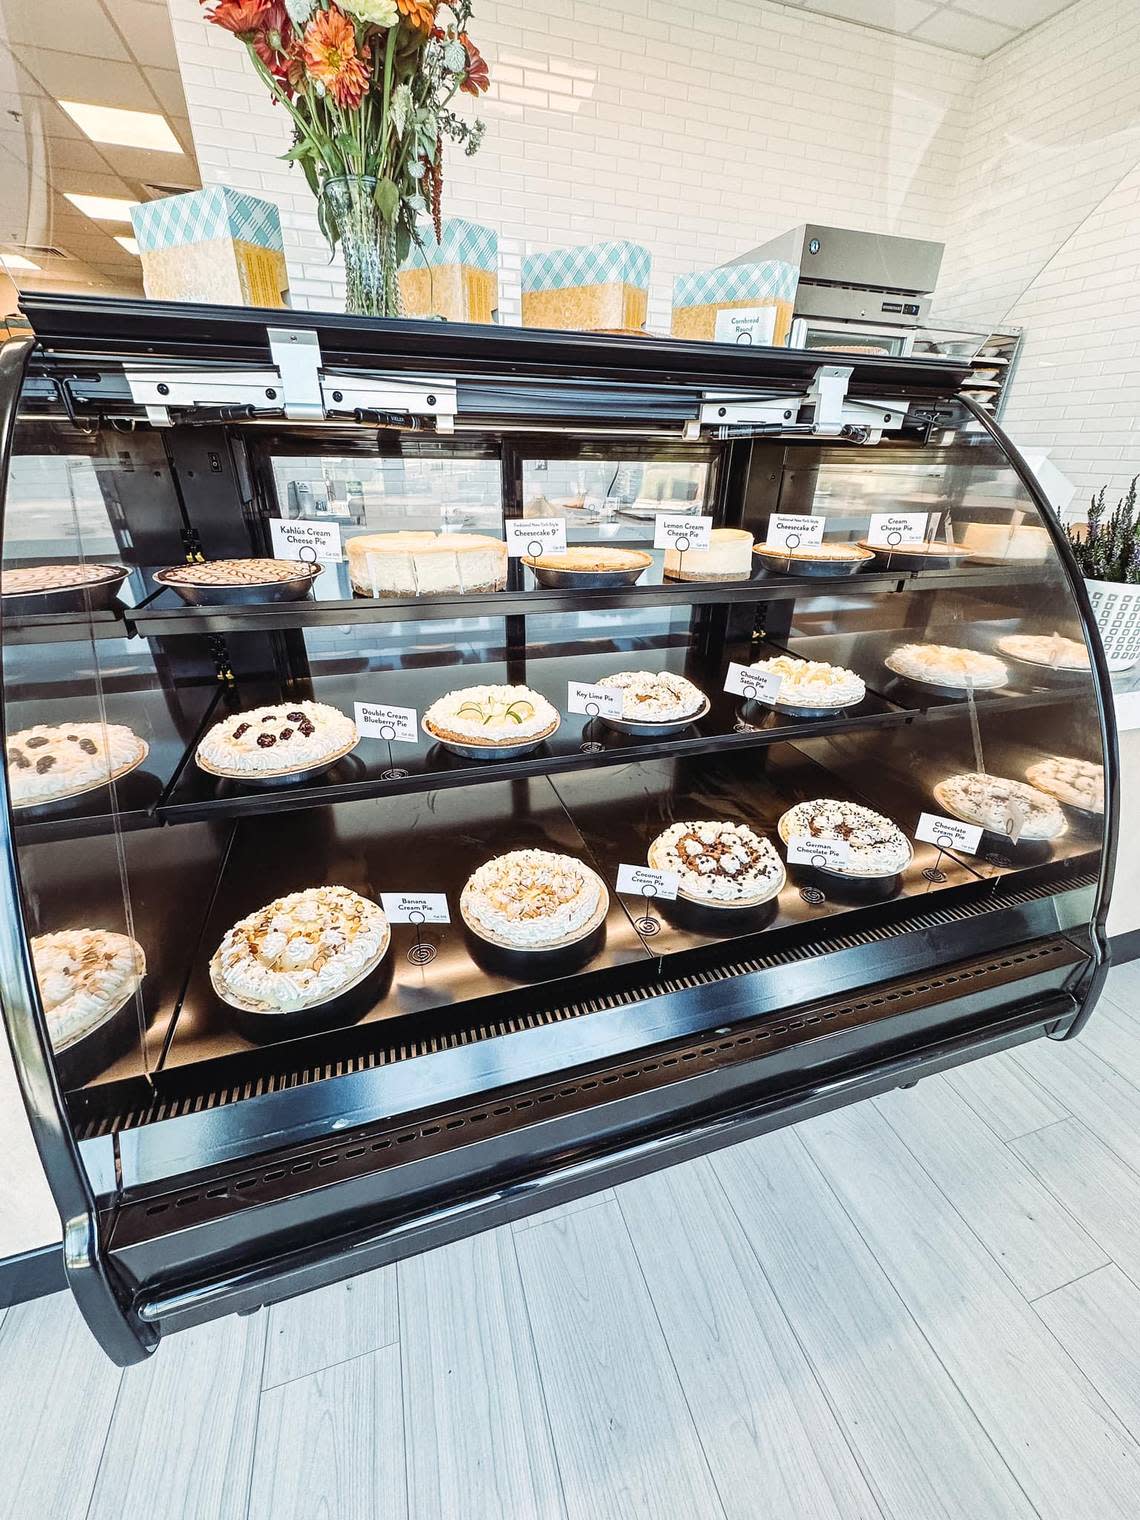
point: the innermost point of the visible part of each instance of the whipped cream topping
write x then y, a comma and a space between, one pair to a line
876, 844
28, 578
531, 899
813, 683
300, 950
84, 976
946, 665
287, 736
492, 714
724, 863
1080, 783
985, 799
54, 760
1046, 649
655, 696
238, 572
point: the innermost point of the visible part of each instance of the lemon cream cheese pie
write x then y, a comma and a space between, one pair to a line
299, 951
946, 665
533, 900
725, 865
656, 696
272, 741
425, 564
728, 558
491, 716
877, 847
1080, 783
812, 683
1054, 650
56, 760
984, 799
84, 976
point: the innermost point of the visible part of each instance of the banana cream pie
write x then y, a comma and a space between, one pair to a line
533, 900
656, 696
728, 558
878, 847
236, 572
84, 976
272, 741
1080, 783
492, 716
425, 564
56, 760
812, 683
24, 580
725, 865
299, 951
946, 665
984, 799
1054, 650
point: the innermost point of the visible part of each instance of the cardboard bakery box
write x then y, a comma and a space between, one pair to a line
599, 286
214, 244
456, 278
737, 303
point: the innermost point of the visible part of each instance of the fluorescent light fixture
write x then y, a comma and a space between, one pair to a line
130, 129
16, 261
130, 244
102, 208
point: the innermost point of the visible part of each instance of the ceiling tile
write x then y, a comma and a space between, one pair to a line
138, 165
147, 32
83, 23
66, 76
968, 34
1019, 14
167, 86
892, 15
73, 153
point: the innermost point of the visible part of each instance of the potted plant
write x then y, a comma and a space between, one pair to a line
1108, 553
369, 86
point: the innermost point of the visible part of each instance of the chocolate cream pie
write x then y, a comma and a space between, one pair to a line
533, 900
724, 865
85, 976
273, 741
984, 799
56, 760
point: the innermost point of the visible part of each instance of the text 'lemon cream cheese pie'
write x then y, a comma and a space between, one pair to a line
876, 846
411, 563
947, 665
84, 976
56, 760
726, 865
812, 683
985, 799
534, 900
277, 740
300, 951
491, 717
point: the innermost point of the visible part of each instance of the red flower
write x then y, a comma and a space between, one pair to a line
331, 57
478, 75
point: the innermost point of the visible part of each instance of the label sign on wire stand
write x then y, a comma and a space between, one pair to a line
535, 536
643, 881
824, 854
676, 530
949, 833
893, 530
375, 720
594, 701
314, 543
415, 907
787, 530
755, 685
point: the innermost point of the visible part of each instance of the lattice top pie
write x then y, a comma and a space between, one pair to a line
25, 579
238, 572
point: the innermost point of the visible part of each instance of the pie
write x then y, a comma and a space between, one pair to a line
945, 665
878, 847
1053, 650
56, 760
300, 950
723, 864
1080, 783
271, 741
728, 558
591, 558
491, 715
812, 683
84, 976
425, 564
236, 572
836, 553
656, 696
984, 799
24, 580
533, 900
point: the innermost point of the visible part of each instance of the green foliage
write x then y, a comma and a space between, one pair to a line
1110, 550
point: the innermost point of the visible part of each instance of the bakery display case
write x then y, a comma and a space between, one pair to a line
452, 770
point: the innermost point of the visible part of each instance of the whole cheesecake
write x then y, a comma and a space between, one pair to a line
728, 558
425, 564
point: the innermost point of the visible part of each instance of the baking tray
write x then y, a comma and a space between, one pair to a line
295, 589
98, 596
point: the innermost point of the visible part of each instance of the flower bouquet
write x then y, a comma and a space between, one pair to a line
1108, 555
369, 86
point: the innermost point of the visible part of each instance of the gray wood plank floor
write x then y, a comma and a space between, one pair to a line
922, 1308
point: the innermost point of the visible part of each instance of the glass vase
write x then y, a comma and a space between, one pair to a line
368, 244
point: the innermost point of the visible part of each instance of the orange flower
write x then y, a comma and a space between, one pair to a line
331, 57
478, 75
245, 18
418, 13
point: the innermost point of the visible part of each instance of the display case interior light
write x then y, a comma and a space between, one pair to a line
101, 208
16, 261
129, 243
128, 129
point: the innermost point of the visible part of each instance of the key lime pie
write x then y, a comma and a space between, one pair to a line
724, 865
656, 696
878, 847
1080, 783
1053, 650
984, 799
56, 760
85, 976
946, 665
728, 558
276, 741
534, 900
812, 683
299, 951
491, 717
425, 564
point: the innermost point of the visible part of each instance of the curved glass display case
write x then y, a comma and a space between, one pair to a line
450, 770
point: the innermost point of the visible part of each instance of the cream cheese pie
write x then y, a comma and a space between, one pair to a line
878, 847
272, 741
1080, 783
533, 900
412, 563
236, 572
725, 865
812, 683
656, 696
946, 665
727, 558
984, 799
25, 580
491, 716
84, 976
595, 559
55, 760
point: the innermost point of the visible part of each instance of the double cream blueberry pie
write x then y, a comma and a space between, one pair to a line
723, 864
533, 900
84, 976
272, 741
56, 760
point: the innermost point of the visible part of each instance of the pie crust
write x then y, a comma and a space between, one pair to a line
237, 572
85, 976
27, 580
303, 734
722, 865
878, 846
977, 798
491, 716
53, 761
728, 558
534, 900
836, 552
591, 558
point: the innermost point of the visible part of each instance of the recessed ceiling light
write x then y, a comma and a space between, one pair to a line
103, 208
16, 261
130, 129
130, 244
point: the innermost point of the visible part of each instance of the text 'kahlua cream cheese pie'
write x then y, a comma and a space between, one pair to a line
533, 900
272, 741
491, 716
56, 760
84, 976
725, 865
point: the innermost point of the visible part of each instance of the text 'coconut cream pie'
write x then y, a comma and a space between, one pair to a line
412, 563
877, 847
947, 665
533, 900
812, 683
984, 799
56, 760
655, 696
84, 976
272, 741
491, 716
726, 865
300, 950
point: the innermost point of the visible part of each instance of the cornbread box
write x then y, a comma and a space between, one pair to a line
214, 244
737, 303
596, 286
456, 278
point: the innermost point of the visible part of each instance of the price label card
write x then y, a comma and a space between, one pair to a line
746, 325
536, 536
756, 685
894, 529
641, 881
316, 543
825, 854
1014, 820
377, 721
787, 531
415, 907
949, 833
675, 530
596, 701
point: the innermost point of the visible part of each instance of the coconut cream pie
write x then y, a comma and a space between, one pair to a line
84, 976
878, 847
812, 683
52, 761
300, 950
236, 572
978, 798
946, 665
656, 696
533, 900
271, 741
491, 715
1053, 650
26, 579
425, 564
723, 864
1080, 783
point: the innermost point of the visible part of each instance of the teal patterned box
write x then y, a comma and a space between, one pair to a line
456, 278
463, 242
214, 244
597, 285
765, 290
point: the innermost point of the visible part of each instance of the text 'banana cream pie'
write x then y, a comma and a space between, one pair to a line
533, 900
272, 741
491, 715
726, 865
84, 976
56, 760
984, 799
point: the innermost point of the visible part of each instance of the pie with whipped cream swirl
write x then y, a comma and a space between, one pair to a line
978, 798
533, 900
52, 761
491, 715
299, 951
272, 741
725, 865
876, 846
656, 696
1080, 783
812, 683
1053, 650
946, 665
85, 976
